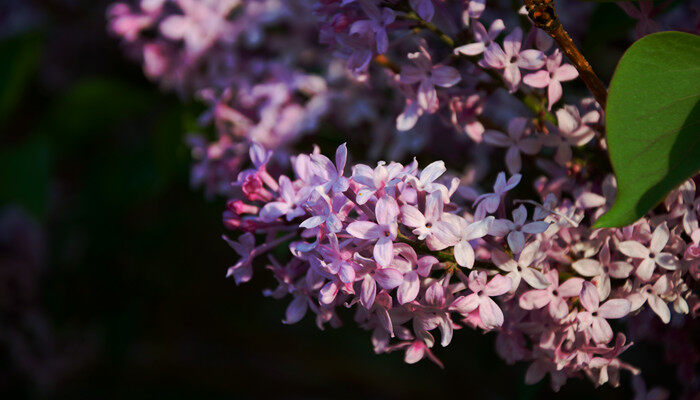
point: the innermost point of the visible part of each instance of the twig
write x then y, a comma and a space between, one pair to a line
544, 15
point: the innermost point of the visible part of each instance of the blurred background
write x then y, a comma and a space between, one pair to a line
112, 269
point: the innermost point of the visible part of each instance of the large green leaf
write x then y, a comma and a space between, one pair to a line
653, 122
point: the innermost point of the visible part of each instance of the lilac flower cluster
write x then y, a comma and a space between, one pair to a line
416, 251
398, 245
194, 47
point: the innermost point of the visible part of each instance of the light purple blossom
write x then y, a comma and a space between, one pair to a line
489, 202
482, 38
516, 229
375, 25
651, 256
489, 312
510, 59
517, 141
522, 269
554, 295
428, 76
594, 319
552, 77
384, 231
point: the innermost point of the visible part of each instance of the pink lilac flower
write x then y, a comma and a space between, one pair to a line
423, 224
473, 12
572, 130
386, 278
331, 175
381, 179
603, 269
522, 269
554, 295
458, 233
375, 25
489, 202
480, 298
594, 319
516, 229
290, 206
428, 76
324, 212
384, 231
652, 295
651, 256
243, 270
510, 59
482, 38
464, 115
552, 77
517, 141
427, 177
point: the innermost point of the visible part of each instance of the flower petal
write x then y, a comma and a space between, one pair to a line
615, 308
408, 290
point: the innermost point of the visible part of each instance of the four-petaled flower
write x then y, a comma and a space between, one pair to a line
429, 76
552, 77
482, 38
488, 202
594, 319
490, 314
651, 256
554, 295
522, 268
458, 232
375, 25
510, 59
330, 175
517, 229
384, 231
516, 141
423, 224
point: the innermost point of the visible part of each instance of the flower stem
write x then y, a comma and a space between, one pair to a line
544, 15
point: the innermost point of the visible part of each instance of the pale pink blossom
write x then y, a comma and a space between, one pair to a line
554, 295
552, 77
510, 59
651, 256
428, 76
517, 141
480, 298
384, 231
516, 229
594, 319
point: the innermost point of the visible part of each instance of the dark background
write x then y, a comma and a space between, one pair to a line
118, 290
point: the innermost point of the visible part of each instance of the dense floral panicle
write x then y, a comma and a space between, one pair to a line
391, 241
418, 252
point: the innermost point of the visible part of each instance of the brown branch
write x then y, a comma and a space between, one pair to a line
544, 15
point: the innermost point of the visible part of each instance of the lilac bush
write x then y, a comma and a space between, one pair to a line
504, 242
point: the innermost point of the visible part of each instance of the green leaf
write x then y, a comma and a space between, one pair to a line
20, 59
653, 123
